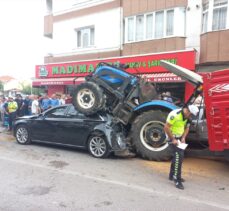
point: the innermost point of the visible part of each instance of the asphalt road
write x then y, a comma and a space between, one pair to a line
37, 177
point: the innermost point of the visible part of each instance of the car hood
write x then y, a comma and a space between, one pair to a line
184, 73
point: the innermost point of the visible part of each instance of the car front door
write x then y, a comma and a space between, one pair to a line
45, 128
76, 128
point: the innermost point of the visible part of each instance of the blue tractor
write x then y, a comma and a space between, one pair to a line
133, 102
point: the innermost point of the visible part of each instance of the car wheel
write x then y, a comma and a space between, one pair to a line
98, 146
22, 135
88, 98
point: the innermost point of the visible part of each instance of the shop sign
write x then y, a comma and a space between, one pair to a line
43, 71
137, 64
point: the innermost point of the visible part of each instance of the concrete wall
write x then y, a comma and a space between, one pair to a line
158, 45
214, 47
193, 26
133, 7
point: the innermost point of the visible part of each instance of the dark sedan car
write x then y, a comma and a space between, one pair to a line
63, 125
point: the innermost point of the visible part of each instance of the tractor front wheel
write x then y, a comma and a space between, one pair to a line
88, 98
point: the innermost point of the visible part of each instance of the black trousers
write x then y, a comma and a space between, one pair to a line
176, 163
12, 117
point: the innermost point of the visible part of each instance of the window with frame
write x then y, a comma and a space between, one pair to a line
85, 37
149, 26
159, 24
155, 25
139, 27
214, 15
170, 22
130, 29
219, 14
205, 17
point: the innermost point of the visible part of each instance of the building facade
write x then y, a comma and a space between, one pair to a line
87, 30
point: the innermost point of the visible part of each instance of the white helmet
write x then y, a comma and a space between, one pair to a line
193, 109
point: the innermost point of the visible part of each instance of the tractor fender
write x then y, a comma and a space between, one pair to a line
155, 104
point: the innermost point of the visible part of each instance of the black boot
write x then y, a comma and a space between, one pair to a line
171, 178
179, 185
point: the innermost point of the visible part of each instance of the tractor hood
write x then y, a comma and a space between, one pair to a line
184, 73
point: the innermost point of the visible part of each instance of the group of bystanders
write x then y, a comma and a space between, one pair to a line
30, 105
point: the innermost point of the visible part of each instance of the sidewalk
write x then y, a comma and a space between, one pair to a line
5, 135
2, 129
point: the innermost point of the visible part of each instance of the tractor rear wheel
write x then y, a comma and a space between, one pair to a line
148, 136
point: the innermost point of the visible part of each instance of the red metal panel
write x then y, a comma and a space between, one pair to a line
216, 94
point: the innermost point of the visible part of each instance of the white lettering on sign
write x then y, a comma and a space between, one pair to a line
52, 83
220, 88
166, 79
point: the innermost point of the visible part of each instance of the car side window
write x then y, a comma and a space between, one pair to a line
73, 113
57, 113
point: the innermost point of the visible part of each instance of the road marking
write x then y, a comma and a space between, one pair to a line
115, 182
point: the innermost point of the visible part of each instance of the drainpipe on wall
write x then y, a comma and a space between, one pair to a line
121, 25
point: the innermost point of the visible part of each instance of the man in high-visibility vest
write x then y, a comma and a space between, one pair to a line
177, 128
11, 109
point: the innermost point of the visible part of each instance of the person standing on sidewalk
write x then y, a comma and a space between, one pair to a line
11, 109
2, 109
177, 128
46, 103
19, 102
35, 108
54, 101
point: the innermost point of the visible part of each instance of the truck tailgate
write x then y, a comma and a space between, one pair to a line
216, 96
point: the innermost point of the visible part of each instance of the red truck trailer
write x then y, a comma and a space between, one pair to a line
214, 87
216, 98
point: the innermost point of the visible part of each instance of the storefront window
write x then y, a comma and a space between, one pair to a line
70, 89
176, 91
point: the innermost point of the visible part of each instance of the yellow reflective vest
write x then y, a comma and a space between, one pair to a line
178, 122
12, 106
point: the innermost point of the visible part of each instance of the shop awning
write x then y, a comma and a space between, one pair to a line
163, 77
57, 81
155, 77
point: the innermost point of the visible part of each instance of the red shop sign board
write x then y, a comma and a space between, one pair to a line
143, 64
